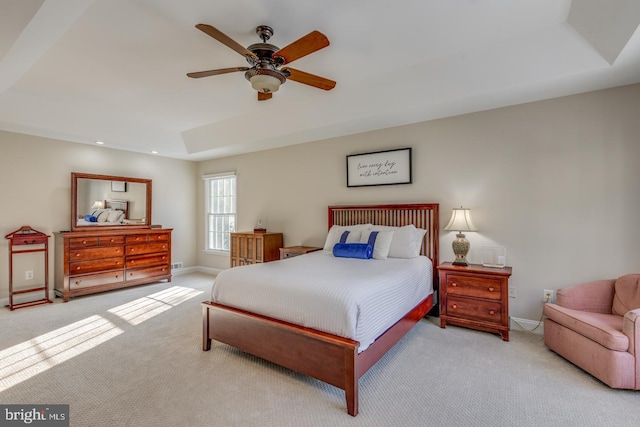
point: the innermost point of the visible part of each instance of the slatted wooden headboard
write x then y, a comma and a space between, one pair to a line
121, 205
422, 215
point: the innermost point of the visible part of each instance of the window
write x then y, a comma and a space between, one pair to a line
220, 202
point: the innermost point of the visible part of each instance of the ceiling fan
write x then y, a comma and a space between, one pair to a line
266, 60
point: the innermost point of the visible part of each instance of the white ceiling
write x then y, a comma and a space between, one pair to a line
114, 70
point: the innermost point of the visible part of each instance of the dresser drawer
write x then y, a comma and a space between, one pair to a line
83, 242
89, 242
147, 249
84, 267
137, 238
111, 240
146, 260
142, 273
479, 287
95, 253
90, 280
467, 308
158, 237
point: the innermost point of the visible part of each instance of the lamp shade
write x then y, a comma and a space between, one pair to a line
461, 221
98, 204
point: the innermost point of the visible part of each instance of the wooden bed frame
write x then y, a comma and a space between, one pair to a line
326, 357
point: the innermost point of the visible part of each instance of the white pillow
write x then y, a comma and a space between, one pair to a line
406, 242
114, 216
335, 233
382, 243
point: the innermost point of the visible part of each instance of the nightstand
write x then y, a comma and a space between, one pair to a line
291, 251
475, 297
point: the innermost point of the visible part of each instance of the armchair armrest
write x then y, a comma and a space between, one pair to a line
631, 328
595, 297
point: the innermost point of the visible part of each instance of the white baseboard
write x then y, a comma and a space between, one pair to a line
208, 270
196, 269
526, 325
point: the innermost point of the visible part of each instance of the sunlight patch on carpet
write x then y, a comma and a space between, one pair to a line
27, 359
137, 311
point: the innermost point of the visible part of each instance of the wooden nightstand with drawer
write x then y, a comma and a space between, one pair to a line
291, 251
475, 297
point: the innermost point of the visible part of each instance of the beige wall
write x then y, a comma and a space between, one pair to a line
35, 186
555, 182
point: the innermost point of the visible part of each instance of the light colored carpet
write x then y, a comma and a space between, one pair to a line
133, 358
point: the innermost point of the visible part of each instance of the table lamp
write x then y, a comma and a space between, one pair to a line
461, 221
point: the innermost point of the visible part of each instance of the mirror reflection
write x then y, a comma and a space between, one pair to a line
104, 201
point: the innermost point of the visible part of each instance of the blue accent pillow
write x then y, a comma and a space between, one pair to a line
353, 250
90, 218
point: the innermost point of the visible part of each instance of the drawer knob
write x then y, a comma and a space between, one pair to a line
77, 254
491, 289
492, 312
84, 242
454, 306
454, 284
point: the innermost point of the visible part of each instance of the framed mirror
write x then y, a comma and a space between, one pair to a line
104, 202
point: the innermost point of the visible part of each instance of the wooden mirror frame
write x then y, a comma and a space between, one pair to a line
75, 176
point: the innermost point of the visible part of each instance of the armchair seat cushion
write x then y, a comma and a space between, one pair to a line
605, 329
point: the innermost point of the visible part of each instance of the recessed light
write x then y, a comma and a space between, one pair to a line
99, 142
154, 152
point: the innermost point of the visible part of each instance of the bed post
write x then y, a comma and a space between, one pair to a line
351, 380
206, 341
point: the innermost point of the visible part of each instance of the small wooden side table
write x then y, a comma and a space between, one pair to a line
291, 251
475, 297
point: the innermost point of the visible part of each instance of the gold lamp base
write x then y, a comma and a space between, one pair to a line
460, 249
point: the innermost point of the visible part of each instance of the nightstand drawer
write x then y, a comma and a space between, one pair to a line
486, 311
479, 287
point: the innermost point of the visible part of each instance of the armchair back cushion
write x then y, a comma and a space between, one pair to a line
595, 297
627, 294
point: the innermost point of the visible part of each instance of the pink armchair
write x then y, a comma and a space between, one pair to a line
596, 326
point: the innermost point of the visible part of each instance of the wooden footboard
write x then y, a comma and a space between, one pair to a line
328, 358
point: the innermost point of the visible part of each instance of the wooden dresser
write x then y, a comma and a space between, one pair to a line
96, 261
475, 297
250, 248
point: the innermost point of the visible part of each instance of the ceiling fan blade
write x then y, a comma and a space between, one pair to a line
225, 40
208, 73
309, 79
310, 43
264, 96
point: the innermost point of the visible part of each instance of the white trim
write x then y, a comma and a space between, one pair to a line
218, 175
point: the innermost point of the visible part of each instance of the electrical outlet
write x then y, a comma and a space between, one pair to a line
512, 291
28, 275
549, 295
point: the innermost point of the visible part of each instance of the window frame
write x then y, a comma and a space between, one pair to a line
208, 179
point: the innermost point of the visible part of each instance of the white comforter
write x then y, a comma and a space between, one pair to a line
352, 298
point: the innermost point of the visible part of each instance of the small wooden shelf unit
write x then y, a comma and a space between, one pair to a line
251, 248
27, 236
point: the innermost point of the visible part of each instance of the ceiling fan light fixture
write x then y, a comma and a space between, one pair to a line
265, 80
265, 83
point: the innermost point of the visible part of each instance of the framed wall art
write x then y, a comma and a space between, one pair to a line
119, 186
379, 168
